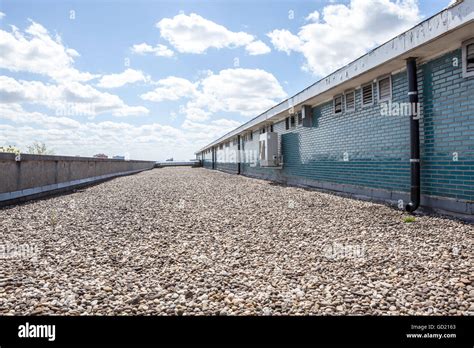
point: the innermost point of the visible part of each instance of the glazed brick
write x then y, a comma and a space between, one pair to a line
378, 147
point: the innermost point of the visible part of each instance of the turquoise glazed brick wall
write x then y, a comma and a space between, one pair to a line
448, 127
227, 159
377, 146
207, 160
227, 167
250, 164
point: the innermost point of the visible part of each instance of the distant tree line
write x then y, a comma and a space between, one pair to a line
37, 148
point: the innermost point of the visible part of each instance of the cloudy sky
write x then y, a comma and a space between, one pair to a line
158, 79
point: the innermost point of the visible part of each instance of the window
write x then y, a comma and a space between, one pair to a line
350, 101
250, 136
300, 118
307, 115
262, 130
292, 121
337, 104
468, 58
384, 85
367, 95
287, 123
271, 128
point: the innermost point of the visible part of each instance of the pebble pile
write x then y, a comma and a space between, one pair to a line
190, 241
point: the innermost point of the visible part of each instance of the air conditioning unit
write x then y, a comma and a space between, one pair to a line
268, 150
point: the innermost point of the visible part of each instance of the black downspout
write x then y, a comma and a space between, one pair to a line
414, 136
238, 154
213, 158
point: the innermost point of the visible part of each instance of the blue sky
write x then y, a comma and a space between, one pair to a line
159, 79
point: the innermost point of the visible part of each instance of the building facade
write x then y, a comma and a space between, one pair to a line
350, 132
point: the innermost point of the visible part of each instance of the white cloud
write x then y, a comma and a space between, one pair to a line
212, 130
119, 80
68, 137
284, 40
195, 34
152, 141
245, 91
257, 48
35, 51
171, 88
313, 17
71, 97
194, 114
346, 32
38, 52
16, 113
159, 50
2, 15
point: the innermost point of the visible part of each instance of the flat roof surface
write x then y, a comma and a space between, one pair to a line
200, 242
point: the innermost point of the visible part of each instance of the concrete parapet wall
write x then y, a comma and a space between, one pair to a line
35, 175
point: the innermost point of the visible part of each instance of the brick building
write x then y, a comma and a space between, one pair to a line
356, 130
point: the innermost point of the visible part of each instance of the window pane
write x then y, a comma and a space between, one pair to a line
470, 58
350, 101
384, 89
338, 104
367, 95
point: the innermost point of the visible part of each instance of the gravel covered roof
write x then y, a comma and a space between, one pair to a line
194, 241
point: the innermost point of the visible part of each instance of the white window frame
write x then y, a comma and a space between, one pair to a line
465, 73
371, 84
379, 99
334, 104
346, 109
